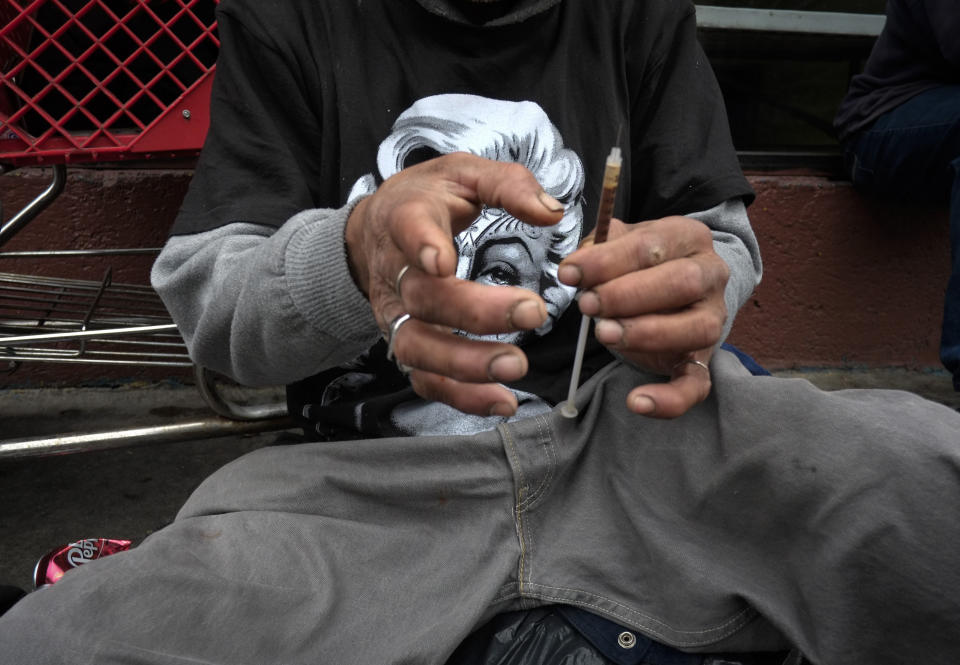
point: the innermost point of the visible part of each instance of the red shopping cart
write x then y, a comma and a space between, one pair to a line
94, 82
104, 80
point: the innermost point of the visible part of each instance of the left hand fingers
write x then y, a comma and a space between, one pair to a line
470, 306
689, 385
457, 370
436, 350
482, 399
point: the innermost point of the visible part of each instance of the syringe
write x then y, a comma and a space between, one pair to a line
611, 179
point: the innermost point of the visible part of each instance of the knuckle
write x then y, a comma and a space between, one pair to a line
508, 174
437, 388
403, 212
423, 309
456, 366
445, 301
427, 387
707, 330
690, 279
401, 346
716, 266
670, 407
701, 391
385, 307
515, 170
701, 232
705, 388
645, 334
698, 231
456, 159
443, 355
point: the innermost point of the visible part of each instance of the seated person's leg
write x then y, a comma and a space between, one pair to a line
821, 515
907, 153
770, 511
355, 552
912, 154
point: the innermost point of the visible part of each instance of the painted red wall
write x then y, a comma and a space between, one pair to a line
849, 281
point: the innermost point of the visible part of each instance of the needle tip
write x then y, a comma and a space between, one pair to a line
568, 410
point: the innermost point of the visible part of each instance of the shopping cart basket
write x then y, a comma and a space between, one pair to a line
104, 80
93, 82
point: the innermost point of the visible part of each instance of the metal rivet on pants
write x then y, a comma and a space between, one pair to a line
627, 640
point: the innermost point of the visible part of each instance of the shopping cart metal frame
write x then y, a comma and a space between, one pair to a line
93, 82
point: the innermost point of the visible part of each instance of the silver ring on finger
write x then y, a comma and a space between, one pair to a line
391, 336
399, 279
693, 361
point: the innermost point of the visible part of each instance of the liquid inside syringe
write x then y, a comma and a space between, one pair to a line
611, 179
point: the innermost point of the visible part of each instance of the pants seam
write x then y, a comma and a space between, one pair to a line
545, 439
519, 497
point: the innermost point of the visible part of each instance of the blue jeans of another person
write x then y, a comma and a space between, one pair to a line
912, 153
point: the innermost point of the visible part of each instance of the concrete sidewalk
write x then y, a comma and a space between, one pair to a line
123, 493
130, 492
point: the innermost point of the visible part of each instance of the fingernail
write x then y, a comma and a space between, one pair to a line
589, 303
527, 314
502, 409
506, 367
549, 202
643, 405
609, 331
570, 274
428, 260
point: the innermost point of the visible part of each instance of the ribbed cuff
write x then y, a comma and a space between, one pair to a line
319, 280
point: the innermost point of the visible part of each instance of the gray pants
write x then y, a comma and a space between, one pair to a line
773, 513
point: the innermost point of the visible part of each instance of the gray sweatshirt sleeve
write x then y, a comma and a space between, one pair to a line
735, 242
271, 306
263, 305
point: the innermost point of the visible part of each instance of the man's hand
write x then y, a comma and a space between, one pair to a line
411, 220
656, 290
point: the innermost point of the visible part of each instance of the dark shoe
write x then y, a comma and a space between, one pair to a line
9, 595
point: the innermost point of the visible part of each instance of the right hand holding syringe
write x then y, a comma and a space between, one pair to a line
656, 292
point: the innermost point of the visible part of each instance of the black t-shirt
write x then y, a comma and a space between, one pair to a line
316, 102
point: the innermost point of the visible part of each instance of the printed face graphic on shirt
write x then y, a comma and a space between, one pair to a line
497, 249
